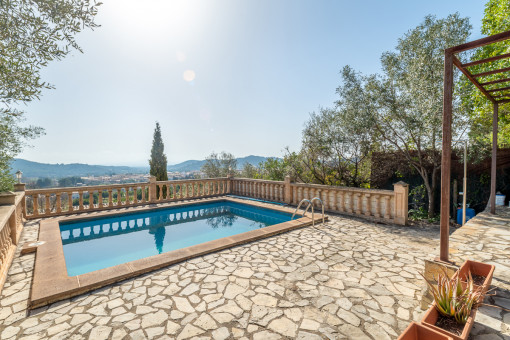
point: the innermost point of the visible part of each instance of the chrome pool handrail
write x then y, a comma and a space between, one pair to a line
322, 205
299, 205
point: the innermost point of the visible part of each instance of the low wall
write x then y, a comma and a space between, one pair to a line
11, 225
379, 205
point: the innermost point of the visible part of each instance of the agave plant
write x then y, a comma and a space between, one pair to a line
455, 299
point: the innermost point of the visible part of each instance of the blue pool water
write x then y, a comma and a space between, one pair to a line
94, 244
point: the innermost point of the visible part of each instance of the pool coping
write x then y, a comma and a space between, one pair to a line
51, 282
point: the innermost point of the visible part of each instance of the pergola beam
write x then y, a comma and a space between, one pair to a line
487, 60
496, 81
457, 63
500, 89
488, 73
479, 43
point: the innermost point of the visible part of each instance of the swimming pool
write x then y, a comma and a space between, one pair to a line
84, 252
98, 243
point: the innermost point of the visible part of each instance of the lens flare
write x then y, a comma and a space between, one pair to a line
188, 75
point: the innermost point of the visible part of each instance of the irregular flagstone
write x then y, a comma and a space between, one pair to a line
284, 326
346, 279
190, 331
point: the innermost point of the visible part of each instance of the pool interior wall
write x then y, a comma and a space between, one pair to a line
99, 243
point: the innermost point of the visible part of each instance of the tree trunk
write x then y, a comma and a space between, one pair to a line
430, 186
432, 193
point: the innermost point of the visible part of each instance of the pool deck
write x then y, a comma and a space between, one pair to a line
51, 282
346, 279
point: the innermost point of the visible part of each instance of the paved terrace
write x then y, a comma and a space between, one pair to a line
348, 279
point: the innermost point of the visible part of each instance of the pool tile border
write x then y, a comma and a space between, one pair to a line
51, 282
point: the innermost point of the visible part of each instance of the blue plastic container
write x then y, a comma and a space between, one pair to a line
470, 213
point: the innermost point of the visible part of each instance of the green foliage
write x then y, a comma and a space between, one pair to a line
69, 181
273, 169
250, 171
407, 100
337, 142
158, 161
220, 165
496, 20
32, 33
453, 298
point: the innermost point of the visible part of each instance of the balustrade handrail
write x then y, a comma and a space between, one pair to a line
258, 180
343, 188
86, 188
193, 180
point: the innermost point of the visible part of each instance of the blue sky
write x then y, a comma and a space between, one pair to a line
229, 75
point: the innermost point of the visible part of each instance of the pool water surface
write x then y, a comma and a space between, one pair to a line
94, 244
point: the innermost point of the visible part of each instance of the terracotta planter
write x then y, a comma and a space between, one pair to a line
431, 316
415, 331
477, 268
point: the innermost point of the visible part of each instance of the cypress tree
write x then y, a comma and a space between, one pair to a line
158, 160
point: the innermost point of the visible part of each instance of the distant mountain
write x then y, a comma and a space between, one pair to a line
34, 169
194, 165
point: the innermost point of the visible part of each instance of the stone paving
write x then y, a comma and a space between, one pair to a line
486, 238
347, 279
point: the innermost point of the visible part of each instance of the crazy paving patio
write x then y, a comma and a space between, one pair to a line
346, 279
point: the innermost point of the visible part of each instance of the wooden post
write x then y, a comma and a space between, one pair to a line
494, 155
446, 156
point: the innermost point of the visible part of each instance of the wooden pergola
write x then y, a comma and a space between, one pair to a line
497, 92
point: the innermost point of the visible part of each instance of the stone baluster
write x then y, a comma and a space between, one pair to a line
349, 209
377, 212
59, 203
334, 199
70, 201
359, 203
387, 207
368, 211
143, 193
340, 200
80, 195
47, 209
119, 197
110, 197
193, 189
35, 200
91, 200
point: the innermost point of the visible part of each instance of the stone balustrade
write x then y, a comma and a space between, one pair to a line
190, 189
72, 200
11, 225
261, 189
378, 205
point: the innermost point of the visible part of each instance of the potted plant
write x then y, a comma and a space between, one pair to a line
415, 331
481, 274
454, 308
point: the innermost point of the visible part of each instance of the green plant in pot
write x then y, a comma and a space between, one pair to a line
454, 307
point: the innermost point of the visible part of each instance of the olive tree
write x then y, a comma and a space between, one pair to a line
219, 165
409, 96
32, 34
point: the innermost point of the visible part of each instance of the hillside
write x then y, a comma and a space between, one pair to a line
34, 169
37, 170
195, 165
